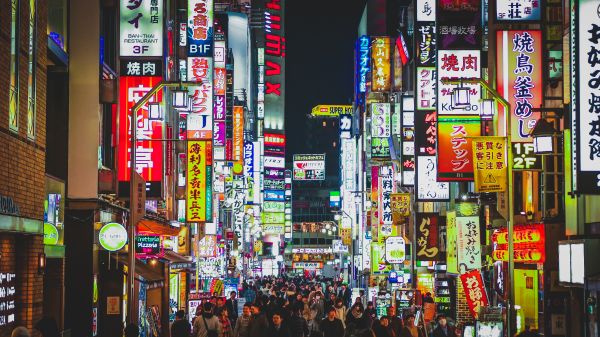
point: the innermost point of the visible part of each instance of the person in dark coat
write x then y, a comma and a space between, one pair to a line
382, 328
443, 329
232, 307
396, 323
331, 326
278, 329
357, 321
181, 327
259, 323
298, 324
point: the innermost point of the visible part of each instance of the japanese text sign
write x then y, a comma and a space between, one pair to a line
428, 188
426, 44
427, 237
141, 28
380, 56
474, 291
196, 181
489, 160
400, 205
519, 80
459, 24
200, 27
363, 62
426, 88
455, 151
149, 154
380, 120
586, 96
468, 243
425, 10
458, 64
518, 10
386, 183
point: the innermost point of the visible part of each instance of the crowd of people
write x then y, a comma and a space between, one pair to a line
298, 308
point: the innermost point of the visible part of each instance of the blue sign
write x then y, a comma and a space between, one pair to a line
248, 159
363, 62
274, 195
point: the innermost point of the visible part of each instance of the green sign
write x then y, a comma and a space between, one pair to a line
50, 234
273, 206
380, 147
112, 236
273, 218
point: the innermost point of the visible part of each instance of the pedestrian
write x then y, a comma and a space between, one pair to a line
318, 306
341, 311
382, 328
330, 301
443, 329
357, 322
207, 324
259, 322
250, 293
298, 325
395, 321
331, 326
243, 322
345, 294
410, 329
232, 307
180, 327
226, 327
47, 327
20, 331
220, 306
277, 328
370, 311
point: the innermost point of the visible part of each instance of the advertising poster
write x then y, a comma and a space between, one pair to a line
455, 151
400, 205
395, 249
428, 188
489, 160
519, 80
309, 166
451, 238
459, 24
378, 262
518, 10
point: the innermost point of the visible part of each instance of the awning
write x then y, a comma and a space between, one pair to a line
173, 257
147, 272
156, 228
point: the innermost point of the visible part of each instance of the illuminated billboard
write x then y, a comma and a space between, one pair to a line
274, 66
196, 181
149, 155
458, 64
309, 167
141, 28
380, 60
519, 80
518, 10
455, 152
200, 27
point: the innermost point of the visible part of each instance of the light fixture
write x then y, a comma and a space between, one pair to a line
323, 231
543, 137
180, 98
461, 97
487, 110
155, 111
337, 217
41, 263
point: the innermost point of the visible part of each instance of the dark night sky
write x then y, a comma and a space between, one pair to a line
320, 37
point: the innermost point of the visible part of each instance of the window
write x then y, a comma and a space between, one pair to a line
31, 115
13, 89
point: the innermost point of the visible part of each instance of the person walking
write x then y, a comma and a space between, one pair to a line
243, 322
259, 322
410, 329
298, 325
396, 323
382, 328
277, 329
180, 327
340, 311
443, 329
331, 326
207, 324
226, 328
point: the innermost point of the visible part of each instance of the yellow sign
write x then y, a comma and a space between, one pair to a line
258, 246
322, 110
380, 56
346, 236
489, 158
196, 181
400, 205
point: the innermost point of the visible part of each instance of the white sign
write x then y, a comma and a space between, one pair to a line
458, 64
468, 244
380, 120
518, 10
395, 249
426, 85
219, 53
307, 265
338, 246
274, 162
427, 186
426, 10
349, 164
141, 27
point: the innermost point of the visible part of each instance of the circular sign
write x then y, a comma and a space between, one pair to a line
112, 236
50, 234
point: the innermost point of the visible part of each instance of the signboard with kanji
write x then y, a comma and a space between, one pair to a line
141, 28
196, 181
489, 160
474, 291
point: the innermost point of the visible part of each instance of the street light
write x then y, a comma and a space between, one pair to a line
155, 111
180, 98
461, 97
487, 109
543, 137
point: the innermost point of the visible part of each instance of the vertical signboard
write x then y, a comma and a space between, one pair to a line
455, 152
586, 96
489, 160
458, 64
200, 28
380, 56
451, 237
425, 10
519, 80
428, 188
468, 242
426, 133
196, 181
408, 141
427, 237
380, 120
238, 134
149, 154
141, 28
363, 63
426, 88
474, 291
275, 66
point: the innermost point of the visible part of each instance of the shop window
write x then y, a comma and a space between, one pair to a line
13, 88
31, 107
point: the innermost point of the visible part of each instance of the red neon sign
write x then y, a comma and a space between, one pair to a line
273, 139
529, 242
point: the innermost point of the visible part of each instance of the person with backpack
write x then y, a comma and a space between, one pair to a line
207, 325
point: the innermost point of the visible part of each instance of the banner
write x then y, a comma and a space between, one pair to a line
468, 243
455, 151
427, 237
196, 181
489, 160
474, 291
381, 55
451, 237
459, 24
519, 80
